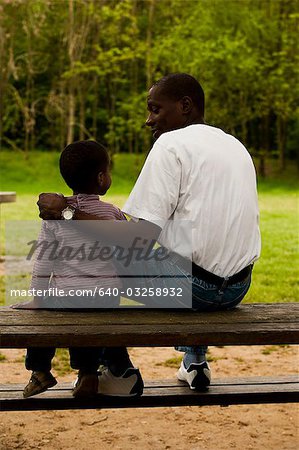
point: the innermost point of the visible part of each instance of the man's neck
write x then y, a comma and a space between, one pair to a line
194, 120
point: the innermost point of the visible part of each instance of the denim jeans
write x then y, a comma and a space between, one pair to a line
199, 295
208, 297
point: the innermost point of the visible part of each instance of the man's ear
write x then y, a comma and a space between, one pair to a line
186, 104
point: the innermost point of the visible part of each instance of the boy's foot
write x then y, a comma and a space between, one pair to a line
39, 382
86, 385
197, 375
129, 384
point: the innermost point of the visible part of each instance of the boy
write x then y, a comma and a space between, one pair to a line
84, 165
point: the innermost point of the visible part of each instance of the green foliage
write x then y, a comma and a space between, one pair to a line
81, 69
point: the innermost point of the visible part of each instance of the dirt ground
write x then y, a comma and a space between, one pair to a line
273, 427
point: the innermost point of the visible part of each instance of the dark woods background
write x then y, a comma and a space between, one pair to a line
79, 69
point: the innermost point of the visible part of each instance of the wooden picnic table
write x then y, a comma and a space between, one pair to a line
248, 324
8, 197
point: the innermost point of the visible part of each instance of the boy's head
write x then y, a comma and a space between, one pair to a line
84, 166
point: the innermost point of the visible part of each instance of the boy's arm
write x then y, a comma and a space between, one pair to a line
120, 233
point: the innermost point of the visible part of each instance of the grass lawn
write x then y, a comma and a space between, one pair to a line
276, 274
39, 172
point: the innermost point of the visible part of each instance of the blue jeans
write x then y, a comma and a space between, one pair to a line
208, 297
167, 274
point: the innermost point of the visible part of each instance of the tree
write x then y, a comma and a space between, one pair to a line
81, 69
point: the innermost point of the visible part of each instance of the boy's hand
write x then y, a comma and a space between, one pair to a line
51, 205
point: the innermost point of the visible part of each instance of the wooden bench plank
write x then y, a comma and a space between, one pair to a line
161, 394
82, 336
253, 324
245, 313
174, 382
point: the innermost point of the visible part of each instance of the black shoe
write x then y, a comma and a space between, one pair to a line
198, 375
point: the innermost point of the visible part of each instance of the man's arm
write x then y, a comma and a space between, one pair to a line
118, 233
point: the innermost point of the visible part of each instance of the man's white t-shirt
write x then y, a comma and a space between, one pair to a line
199, 184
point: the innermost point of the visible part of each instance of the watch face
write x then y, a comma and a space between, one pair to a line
68, 214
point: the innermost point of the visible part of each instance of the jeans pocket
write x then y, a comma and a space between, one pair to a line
234, 294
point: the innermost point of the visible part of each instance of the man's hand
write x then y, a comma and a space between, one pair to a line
51, 205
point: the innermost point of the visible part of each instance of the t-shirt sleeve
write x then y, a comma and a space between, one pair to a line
156, 192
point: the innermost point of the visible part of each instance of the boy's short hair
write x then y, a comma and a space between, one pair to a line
177, 85
81, 162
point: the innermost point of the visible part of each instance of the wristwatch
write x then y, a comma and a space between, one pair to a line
68, 213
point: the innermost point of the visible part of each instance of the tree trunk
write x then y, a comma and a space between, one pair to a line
95, 106
281, 141
71, 93
149, 69
149, 36
62, 119
262, 159
71, 116
28, 121
81, 115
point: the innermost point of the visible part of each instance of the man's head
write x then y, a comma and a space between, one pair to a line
84, 166
175, 101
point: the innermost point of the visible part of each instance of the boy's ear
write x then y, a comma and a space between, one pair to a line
186, 104
100, 178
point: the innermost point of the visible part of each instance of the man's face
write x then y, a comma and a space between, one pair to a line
165, 114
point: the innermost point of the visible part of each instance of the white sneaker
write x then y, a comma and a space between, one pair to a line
130, 384
198, 375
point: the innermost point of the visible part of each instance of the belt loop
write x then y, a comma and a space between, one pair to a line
223, 285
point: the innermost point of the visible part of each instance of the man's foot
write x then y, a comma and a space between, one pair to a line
86, 385
129, 384
39, 382
197, 375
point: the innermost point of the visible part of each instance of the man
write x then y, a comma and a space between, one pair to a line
199, 175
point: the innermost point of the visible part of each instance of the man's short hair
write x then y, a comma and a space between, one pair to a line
178, 85
81, 162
